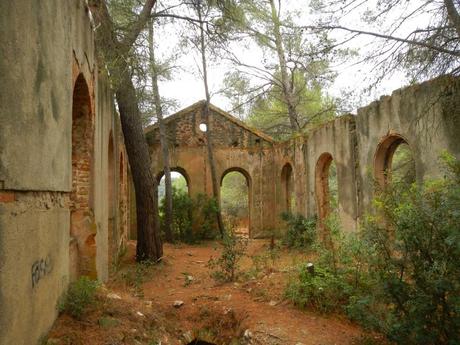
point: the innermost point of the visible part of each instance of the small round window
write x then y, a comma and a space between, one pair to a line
203, 127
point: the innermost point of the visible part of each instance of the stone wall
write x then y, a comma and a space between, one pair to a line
236, 148
292, 175
57, 119
334, 141
426, 116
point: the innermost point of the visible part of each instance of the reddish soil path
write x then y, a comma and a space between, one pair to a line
136, 307
259, 302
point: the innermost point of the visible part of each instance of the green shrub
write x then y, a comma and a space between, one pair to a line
205, 217
339, 272
400, 275
80, 295
415, 236
193, 219
323, 290
181, 226
301, 231
225, 268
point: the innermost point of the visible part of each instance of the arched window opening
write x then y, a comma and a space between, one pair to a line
181, 225
235, 201
83, 243
326, 187
287, 188
394, 161
179, 182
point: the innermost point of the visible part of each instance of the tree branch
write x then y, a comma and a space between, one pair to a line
387, 37
138, 25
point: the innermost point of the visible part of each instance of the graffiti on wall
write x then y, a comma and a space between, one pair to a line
40, 268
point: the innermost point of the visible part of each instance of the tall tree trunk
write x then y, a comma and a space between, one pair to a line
115, 51
163, 138
149, 246
287, 88
215, 185
453, 15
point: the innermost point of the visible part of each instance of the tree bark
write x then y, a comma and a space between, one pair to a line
163, 139
453, 15
115, 51
287, 89
215, 185
149, 246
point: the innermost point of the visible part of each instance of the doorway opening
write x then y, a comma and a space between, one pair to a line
235, 201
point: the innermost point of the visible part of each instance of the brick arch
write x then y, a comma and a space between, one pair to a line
82, 225
384, 156
247, 176
322, 187
287, 186
178, 169
237, 169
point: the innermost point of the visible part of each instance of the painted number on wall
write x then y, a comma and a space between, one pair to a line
40, 268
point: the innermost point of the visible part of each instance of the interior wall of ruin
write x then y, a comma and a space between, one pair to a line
45, 47
235, 149
336, 139
426, 115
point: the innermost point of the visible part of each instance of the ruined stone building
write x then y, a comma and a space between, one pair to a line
64, 184
424, 116
63, 167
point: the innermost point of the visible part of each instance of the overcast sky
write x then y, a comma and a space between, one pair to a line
187, 86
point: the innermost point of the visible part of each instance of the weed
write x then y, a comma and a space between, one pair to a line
188, 278
226, 266
108, 322
134, 278
301, 231
80, 295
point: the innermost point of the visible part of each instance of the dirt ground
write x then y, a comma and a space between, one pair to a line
137, 305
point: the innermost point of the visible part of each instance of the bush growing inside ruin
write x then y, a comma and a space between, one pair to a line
339, 272
415, 238
323, 290
400, 275
182, 219
225, 267
204, 214
193, 219
79, 297
301, 231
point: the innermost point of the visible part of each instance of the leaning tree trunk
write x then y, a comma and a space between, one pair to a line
149, 246
114, 50
215, 185
163, 139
